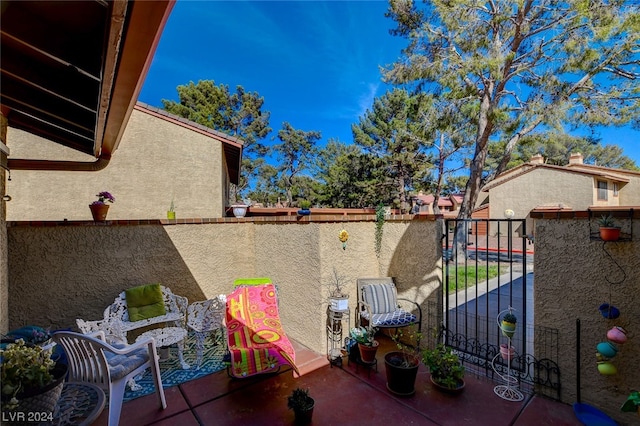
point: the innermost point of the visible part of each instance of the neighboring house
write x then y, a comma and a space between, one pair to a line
575, 186
449, 204
161, 158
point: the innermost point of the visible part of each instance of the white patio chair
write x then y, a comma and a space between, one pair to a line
204, 318
92, 360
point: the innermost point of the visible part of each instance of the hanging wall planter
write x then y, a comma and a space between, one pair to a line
609, 311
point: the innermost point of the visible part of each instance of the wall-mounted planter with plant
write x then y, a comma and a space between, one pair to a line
608, 229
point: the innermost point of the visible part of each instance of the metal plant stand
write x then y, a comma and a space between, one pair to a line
508, 391
334, 334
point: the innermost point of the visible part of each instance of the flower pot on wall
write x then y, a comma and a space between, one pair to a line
99, 211
239, 210
609, 234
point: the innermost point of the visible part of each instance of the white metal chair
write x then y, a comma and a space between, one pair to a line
92, 360
204, 318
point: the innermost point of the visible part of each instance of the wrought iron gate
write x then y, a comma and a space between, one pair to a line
488, 269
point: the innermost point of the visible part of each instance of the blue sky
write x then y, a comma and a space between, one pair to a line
316, 63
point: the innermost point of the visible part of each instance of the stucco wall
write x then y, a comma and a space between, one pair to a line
156, 161
58, 274
571, 273
540, 187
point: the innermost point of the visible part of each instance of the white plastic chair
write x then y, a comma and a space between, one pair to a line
205, 317
92, 360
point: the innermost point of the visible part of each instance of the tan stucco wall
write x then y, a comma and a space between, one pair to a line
156, 161
540, 187
58, 274
571, 273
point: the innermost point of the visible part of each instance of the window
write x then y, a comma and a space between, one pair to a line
615, 189
602, 190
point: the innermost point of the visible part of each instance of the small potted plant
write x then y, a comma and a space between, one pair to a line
302, 405
632, 404
240, 209
304, 207
338, 297
608, 229
367, 344
99, 208
171, 213
447, 373
508, 325
31, 380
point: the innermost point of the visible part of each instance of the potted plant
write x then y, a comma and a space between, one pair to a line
447, 373
302, 405
608, 229
338, 297
507, 352
508, 325
304, 207
632, 404
367, 344
401, 366
240, 210
171, 213
31, 380
99, 208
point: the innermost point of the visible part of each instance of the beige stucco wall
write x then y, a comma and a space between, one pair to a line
540, 187
571, 274
156, 161
58, 274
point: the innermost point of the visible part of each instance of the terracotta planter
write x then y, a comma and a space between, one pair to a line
368, 353
99, 211
401, 379
609, 234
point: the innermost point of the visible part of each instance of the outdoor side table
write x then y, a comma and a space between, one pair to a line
79, 404
168, 336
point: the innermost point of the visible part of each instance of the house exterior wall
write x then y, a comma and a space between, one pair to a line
539, 187
571, 273
60, 273
156, 161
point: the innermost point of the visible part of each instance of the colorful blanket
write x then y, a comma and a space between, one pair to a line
257, 342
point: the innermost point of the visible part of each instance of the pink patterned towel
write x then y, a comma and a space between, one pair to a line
257, 341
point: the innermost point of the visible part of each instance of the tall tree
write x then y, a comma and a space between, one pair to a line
349, 177
392, 131
237, 114
521, 64
295, 153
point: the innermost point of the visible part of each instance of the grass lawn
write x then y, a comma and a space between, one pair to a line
468, 276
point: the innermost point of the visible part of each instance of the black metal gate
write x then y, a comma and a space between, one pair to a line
488, 271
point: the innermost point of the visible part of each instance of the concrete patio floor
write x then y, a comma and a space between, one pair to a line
347, 395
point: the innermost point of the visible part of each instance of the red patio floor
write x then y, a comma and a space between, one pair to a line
351, 395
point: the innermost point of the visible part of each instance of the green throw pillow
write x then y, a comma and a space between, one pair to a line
144, 302
251, 281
